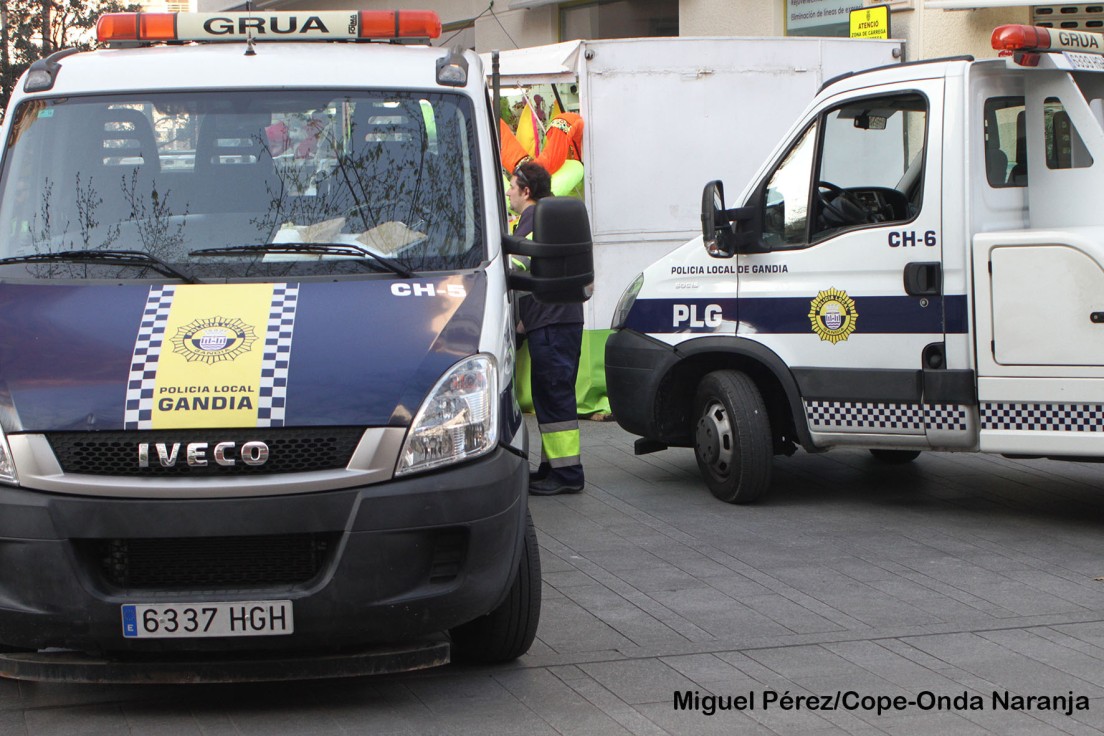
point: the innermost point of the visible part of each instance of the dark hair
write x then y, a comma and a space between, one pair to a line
533, 175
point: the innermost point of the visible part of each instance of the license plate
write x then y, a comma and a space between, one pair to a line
191, 620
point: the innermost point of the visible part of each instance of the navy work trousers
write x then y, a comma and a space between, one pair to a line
554, 353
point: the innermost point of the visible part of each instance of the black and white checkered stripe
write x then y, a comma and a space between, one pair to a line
836, 416
277, 353
143, 364
945, 417
845, 416
1043, 417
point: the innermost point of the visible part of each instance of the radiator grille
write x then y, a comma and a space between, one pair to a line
289, 451
209, 563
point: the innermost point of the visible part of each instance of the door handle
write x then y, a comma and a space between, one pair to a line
924, 279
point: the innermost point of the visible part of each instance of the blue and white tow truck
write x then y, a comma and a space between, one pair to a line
257, 353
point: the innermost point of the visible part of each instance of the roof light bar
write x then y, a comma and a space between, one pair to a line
1036, 38
271, 26
399, 24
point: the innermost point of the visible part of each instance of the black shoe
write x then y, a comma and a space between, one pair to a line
552, 487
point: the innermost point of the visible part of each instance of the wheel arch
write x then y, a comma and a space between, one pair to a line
772, 377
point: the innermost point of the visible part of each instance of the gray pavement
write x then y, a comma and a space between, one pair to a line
944, 591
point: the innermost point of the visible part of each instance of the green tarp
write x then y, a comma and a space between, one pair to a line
590, 386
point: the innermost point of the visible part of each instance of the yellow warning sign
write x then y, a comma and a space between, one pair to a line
872, 22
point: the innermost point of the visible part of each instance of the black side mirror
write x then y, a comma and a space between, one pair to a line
561, 253
728, 232
716, 229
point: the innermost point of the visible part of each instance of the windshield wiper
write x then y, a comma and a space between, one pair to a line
320, 249
135, 258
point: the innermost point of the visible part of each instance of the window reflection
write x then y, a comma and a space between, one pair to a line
167, 174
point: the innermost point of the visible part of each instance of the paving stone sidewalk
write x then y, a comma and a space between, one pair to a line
944, 591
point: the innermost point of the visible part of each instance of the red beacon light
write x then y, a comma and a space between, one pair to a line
360, 25
136, 27
399, 24
1019, 38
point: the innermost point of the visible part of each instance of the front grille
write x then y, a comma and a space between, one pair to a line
209, 563
295, 450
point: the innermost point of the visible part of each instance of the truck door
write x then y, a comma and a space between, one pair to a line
848, 289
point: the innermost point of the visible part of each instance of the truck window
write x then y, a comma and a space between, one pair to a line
166, 174
869, 172
1064, 147
786, 213
871, 162
1005, 142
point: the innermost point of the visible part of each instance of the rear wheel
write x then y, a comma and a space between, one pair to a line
732, 440
507, 632
895, 457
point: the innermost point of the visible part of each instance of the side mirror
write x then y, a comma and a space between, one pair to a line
561, 253
728, 232
716, 230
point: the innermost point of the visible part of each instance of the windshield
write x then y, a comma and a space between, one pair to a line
390, 172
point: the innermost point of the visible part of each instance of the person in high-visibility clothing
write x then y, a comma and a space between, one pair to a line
554, 333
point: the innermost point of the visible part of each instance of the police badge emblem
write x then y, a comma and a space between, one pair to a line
213, 340
833, 315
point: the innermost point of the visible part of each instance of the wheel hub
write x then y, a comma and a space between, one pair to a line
713, 438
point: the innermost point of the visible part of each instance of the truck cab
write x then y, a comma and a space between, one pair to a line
916, 267
257, 355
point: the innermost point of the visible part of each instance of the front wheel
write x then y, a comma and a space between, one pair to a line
732, 440
508, 631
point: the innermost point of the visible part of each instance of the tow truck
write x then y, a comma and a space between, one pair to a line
257, 355
918, 266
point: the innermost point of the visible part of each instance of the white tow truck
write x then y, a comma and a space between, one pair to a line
919, 265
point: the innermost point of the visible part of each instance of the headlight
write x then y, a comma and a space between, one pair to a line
625, 304
7, 467
457, 421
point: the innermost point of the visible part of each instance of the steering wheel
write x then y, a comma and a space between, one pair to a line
842, 209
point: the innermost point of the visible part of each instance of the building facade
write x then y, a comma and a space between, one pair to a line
930, 28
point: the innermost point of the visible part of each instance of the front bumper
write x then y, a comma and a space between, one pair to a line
636, 367
407, 558
69, 666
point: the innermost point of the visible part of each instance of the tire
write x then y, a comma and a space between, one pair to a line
895, 457
508, 631
732, 440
